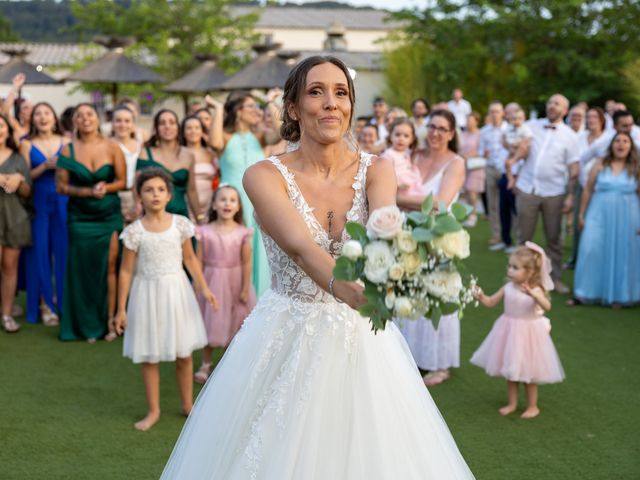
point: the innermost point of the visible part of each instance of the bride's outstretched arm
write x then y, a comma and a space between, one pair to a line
280, 219
381, 184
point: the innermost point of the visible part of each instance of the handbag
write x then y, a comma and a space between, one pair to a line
474, 163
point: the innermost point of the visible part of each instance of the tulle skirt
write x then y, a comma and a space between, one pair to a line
521, 351
433, 349
164, 320
307, 391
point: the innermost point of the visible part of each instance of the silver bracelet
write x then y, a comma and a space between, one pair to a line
333, 279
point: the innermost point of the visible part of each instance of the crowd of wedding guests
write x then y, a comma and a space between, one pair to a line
68, 189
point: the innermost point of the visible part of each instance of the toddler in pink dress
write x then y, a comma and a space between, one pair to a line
403, 142
519, 346
224, 247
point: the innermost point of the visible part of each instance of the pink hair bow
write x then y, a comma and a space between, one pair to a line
545, 273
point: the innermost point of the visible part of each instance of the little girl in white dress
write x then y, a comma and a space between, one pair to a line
162, 320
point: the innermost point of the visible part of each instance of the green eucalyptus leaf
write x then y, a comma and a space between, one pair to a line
449, 308
446, 224
461, 211
435, 316
345, 269
417, 218
422, 235
423, 251
357, 232
427, 205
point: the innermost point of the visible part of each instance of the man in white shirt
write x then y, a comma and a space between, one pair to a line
460, 108
542, 186
492, 149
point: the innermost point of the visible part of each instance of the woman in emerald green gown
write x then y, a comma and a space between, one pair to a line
163, 150
90, 170
238, 133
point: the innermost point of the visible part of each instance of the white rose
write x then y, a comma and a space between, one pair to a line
406, 242
385, 222
444, 285
411, 262
378, 260
390, 299
396, 271
352, 250
454, 244
402, 307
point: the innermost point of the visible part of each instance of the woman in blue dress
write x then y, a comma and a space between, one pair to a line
237, 134
608, 268
164, 150
45, 260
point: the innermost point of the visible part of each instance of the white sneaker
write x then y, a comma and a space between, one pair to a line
497, 246
510, 249
471, 221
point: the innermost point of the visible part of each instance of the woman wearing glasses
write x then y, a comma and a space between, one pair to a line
443, 174
239, 134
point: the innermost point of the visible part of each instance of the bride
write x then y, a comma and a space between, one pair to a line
306, 390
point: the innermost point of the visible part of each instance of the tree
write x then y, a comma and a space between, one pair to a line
171, 33
520, 50
6, 31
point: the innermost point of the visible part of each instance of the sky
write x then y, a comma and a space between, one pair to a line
387, 4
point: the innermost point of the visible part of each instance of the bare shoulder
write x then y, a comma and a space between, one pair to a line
380, 167
457, 163
261, 173
66, 149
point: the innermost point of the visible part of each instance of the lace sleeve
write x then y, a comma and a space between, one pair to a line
185, 227
131, 236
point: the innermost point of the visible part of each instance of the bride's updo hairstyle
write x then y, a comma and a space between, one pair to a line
294, 89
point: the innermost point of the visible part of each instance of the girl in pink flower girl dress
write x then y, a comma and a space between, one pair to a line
224, 248
519, 347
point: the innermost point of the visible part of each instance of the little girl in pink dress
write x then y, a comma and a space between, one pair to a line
519, 347
224, 247
403, 142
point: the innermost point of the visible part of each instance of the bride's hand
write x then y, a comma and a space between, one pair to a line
350, 293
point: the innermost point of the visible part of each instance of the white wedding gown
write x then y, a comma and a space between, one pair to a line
306, 391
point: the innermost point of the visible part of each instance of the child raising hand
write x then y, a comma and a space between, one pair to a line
519, 347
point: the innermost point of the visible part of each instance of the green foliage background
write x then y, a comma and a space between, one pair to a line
517, 50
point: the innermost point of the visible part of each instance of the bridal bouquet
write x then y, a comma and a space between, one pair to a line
411, 265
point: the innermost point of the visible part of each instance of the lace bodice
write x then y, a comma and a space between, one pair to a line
159, 253
287, 278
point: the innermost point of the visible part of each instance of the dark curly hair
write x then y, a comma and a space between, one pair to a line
11, 141
294, 88
153, 172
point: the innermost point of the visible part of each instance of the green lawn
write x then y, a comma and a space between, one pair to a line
67, 409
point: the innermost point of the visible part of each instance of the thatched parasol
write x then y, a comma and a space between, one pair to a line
115, 68
270, 69
17, 64
207, 77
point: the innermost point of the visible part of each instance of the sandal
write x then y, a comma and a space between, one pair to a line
49, 318
112, 335
436, 378
17, 310
9, 324
202, 374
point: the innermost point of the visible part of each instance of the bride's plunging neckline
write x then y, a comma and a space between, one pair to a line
356, 186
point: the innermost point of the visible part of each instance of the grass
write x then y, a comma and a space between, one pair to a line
67, 409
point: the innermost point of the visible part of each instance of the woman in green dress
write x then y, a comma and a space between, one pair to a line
164, 150
239, 133
91, 170
15, 221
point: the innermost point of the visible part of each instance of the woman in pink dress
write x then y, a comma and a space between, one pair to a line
475, 179
205, 167
224, 247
